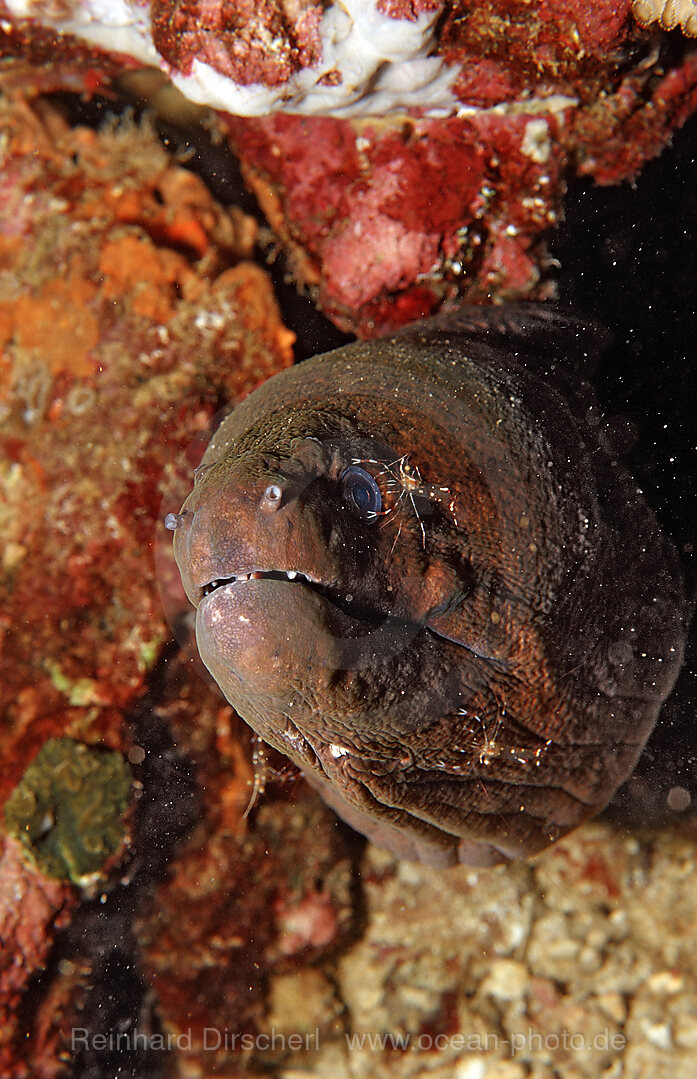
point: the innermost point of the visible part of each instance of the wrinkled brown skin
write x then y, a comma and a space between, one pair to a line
472, 692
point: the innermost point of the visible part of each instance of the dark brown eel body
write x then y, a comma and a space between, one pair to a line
482, 617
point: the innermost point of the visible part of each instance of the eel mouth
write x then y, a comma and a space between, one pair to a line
354, 608
257, 575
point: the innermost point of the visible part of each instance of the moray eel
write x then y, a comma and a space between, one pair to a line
419, 574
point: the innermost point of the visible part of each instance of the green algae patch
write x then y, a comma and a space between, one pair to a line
68, 808
80, 692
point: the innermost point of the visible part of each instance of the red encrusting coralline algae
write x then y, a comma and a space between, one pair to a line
406, 153
129, 313
417, 152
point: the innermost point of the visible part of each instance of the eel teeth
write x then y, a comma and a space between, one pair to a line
256, 575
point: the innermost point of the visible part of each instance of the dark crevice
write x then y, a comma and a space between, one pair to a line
116, 997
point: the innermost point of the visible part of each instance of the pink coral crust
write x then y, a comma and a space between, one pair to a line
409, 9
250, 41
32, 907
389, 220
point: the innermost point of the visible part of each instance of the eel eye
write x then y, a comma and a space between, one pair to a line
361, 492
273, 493
272, 499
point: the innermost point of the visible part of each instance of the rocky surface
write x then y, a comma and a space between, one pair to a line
579, 964
129, 313
407, 153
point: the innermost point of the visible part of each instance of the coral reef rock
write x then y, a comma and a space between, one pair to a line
406, 152
129, 312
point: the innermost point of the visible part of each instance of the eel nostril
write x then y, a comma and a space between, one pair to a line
173, 521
